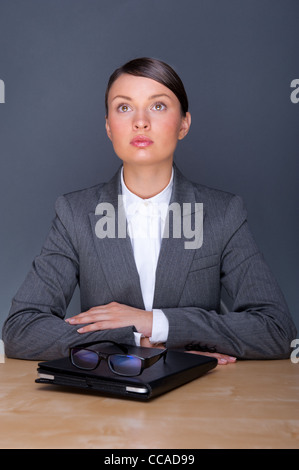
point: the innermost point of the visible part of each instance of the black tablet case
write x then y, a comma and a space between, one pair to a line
178, 369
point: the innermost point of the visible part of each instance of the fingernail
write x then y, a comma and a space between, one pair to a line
80, 330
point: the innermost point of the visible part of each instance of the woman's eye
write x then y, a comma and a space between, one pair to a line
123, 108
159, 107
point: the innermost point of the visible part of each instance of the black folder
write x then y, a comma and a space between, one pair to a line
178, 369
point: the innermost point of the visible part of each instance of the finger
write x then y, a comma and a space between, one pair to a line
81, 315
86, 319
109, 324
99, 309
90, 327
102, 325
223, 359
89, 317
228, 358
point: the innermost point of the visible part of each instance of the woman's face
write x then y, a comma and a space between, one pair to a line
144, 120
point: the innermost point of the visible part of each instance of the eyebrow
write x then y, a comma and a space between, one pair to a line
127, 98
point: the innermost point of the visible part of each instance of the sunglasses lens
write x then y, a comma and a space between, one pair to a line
125, 365
84, 358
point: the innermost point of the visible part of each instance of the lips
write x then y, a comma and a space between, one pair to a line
141, 141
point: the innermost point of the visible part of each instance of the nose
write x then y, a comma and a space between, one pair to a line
141, 121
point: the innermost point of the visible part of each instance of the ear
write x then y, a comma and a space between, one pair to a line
185, 126
108, 130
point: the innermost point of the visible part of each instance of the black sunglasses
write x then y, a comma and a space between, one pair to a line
121, 364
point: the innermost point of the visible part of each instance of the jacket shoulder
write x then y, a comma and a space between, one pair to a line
222, 207
214, 197
82, 201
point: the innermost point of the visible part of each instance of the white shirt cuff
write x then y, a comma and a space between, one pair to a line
137, 338
160, 327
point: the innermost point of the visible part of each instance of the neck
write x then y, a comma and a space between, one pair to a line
146, 181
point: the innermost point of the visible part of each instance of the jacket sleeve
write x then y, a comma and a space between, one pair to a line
259, 325
35, 328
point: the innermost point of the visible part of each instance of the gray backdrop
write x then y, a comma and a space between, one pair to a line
237, 59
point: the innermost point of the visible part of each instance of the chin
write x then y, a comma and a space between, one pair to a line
143, 157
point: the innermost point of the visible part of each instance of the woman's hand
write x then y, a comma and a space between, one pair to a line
113, 315
223, 359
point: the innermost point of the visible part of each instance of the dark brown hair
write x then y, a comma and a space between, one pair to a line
156, 70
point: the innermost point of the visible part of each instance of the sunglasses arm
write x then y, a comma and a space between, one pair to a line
149, 361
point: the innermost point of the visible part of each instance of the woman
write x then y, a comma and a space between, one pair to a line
137, 285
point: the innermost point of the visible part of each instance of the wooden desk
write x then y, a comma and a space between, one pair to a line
252, 404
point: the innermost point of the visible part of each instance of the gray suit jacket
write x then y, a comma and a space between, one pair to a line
188, 281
